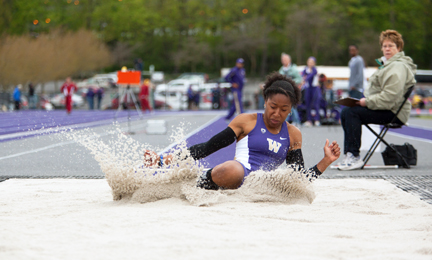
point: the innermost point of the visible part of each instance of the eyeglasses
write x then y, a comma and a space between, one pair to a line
389, 46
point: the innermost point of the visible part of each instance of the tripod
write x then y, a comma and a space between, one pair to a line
129, 95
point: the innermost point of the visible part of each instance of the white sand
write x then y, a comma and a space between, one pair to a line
78, 219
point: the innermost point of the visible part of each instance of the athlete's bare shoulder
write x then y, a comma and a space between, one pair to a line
295, 137
243, 124
243, 119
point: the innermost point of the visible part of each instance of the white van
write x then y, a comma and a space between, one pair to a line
174, 94
100, 80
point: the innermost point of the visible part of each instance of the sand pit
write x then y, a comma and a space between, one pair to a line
78, 219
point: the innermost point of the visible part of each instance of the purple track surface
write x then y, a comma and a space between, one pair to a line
228, 153
414, 132
25, 121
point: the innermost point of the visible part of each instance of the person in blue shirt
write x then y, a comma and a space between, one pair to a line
236, 77
17, 96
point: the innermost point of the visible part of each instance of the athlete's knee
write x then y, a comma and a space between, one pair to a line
228, 174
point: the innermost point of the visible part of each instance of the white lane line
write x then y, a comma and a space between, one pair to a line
54, 129
37, 150
103, 134
58, 129
66, 143
190, 134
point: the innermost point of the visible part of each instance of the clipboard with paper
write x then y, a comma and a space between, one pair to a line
348, 102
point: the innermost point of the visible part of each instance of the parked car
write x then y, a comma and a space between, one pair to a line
221, 81
100, 80
115, 104
44, 103
58, 100
198, 77
174, 94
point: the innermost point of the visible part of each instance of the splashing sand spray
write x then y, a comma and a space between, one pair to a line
122, 158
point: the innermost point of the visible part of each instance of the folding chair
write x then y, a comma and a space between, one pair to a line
386, 127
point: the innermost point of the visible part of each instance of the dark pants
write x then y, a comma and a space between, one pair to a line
353, 118
99, 102
17, 105
90, 101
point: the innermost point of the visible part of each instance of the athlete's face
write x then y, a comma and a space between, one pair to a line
277, 108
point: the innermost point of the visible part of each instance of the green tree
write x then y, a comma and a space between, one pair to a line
155, 29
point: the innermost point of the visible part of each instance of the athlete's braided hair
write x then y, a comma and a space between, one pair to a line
279, 84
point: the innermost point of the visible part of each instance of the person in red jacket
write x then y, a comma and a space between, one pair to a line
144, 96
68, 88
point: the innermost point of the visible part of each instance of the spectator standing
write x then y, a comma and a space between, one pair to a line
151, 96
236, 77
144, 96
312, 92
197, 97
260, 97
289, 70
190, 97
68, 88
17, 96
32, 96
90, 98
384, 96
99, 96
322, 81
356, 65
216, 99
193, 98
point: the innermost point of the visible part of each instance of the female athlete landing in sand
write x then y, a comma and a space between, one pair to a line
264, 141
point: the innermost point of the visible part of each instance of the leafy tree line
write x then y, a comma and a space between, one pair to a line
205, 35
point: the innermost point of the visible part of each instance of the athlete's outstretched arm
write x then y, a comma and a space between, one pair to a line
198, 151
228, 136
217, 142
295, 160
